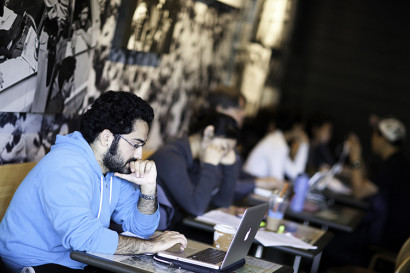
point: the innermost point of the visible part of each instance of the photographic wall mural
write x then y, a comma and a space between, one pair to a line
71, 51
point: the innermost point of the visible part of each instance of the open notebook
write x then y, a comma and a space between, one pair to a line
199, 256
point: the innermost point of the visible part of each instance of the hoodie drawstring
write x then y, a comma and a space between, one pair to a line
110, 188
102, 194
101, 198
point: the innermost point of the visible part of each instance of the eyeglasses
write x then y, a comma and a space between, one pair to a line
136, 146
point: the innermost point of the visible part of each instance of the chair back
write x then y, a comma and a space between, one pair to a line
11, 176
403, 254
404, 267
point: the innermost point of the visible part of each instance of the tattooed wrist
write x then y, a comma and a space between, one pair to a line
132, 245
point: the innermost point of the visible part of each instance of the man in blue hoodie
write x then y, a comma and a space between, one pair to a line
87, 179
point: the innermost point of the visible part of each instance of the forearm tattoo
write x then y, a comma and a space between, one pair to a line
132, 245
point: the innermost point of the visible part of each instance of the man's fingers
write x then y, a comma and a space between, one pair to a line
149, 165
143, 167
141, 170
174, 238
121, 175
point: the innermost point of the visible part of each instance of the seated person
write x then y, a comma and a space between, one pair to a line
230, 101
62, 87
271, 156
319, 129
199, 170
89, 177
386, 188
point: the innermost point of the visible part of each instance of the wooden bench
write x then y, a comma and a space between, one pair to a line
11, 176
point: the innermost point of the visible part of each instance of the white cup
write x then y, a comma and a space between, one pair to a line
223, 235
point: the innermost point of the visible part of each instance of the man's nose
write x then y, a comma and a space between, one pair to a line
138, 153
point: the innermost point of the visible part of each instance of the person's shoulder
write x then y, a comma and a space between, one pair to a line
176, 150
272, 139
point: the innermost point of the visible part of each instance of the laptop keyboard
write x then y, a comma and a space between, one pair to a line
209, 255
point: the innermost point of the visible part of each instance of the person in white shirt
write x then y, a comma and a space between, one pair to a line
283, 152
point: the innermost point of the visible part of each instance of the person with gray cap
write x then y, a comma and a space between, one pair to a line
386, 188
387, 141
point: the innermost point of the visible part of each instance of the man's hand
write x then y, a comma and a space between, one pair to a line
219, 153
143, 173
164, 241
301, 136
355, 149
229, 158
213, 154
168, 239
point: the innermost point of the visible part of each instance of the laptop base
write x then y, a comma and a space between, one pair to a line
197, 268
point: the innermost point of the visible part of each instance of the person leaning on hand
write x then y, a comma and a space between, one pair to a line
199, 170
88, 178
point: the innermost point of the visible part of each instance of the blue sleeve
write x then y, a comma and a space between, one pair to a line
225, 195
66, 201
127, 214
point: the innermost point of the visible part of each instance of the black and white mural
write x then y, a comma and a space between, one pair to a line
146, 25
74, 60
26, 137
47, 53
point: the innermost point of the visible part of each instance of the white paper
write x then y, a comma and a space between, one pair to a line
219, 217
268, 238
262, 192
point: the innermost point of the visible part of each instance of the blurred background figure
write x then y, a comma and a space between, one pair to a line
53, 39
139, 27
63, 85
82, 26
319, 128
386, 187
198, 171
271, 157
230, 101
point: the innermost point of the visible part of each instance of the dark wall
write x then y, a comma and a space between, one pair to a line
350, 59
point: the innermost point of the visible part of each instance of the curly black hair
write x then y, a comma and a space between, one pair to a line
116, 111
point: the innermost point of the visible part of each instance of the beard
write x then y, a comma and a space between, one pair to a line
114, 162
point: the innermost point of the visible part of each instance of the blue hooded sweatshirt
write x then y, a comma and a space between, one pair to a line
65, 203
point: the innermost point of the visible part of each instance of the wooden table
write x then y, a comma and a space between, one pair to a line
344, 199
337, 216
311, 235
146, 263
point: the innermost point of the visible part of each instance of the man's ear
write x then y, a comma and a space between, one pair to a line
209, 132
105, 137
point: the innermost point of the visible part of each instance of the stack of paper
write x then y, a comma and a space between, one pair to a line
266, 238
219, 217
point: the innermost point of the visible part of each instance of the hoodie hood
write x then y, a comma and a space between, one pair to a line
76, 143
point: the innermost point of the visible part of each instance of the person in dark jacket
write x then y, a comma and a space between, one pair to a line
197, 171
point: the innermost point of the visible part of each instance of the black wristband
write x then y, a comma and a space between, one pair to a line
148, 197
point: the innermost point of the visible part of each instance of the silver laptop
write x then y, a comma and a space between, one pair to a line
198, 253
320, 180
